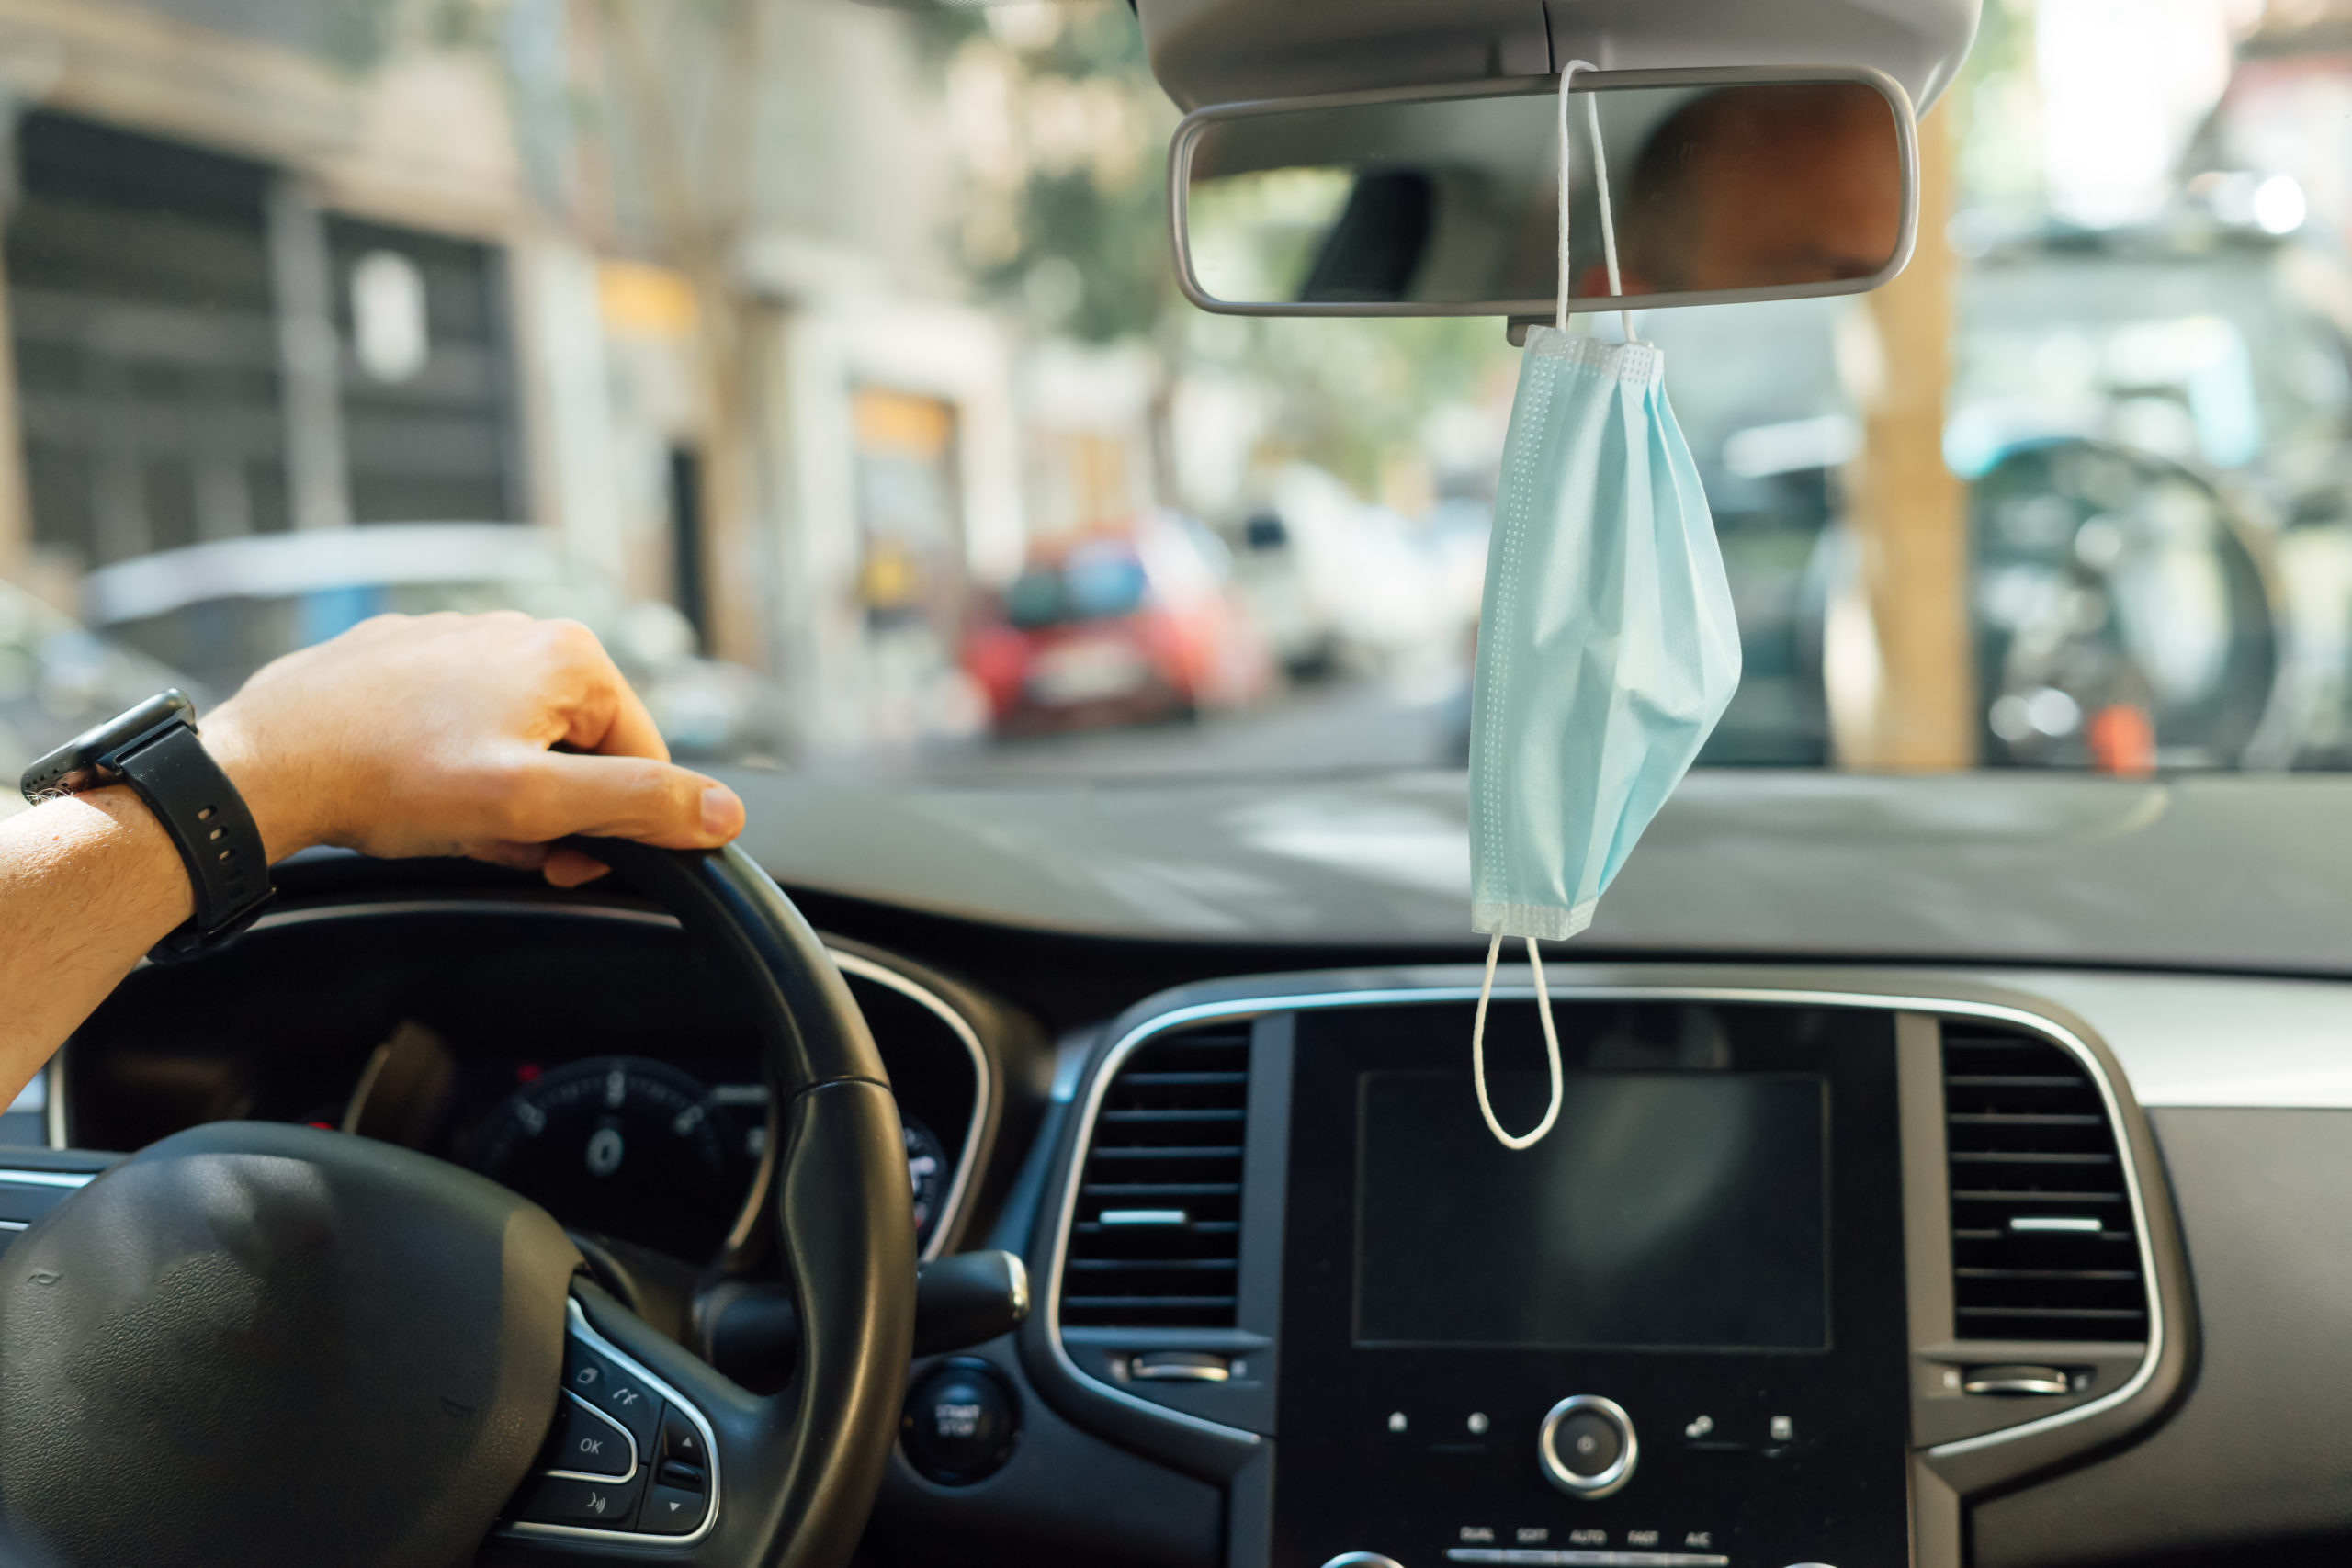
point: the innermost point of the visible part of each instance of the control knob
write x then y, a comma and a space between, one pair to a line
1586, 1446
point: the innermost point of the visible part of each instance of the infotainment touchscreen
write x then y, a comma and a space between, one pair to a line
1684, 1210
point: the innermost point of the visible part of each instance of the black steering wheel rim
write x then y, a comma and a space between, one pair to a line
793, 1475
845, 1226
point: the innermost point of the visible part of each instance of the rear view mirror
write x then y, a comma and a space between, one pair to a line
1726, 185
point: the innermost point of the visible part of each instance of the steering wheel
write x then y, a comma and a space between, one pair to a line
260, 1343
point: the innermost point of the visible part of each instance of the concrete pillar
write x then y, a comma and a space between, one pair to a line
318, 483
1910, 511
16, 498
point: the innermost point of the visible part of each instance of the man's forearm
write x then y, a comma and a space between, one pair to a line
89, 883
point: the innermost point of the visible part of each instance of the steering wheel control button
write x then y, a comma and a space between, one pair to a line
560, 1500
959, 1423
673, 1510
1586, 1446
682, 1442
613, 1391
588, 1444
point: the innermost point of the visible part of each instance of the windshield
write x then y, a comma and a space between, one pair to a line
827, 359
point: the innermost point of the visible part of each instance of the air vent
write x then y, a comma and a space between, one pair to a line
1156, 1238
2042, 1231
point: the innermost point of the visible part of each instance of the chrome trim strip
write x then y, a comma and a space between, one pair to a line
950, 1208
1019, 1279
15, 1224
46, 1177
1189, 131
576, 1323
53, 1113
315, 913
1565, 988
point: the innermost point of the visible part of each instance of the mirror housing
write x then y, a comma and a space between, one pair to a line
1741, 183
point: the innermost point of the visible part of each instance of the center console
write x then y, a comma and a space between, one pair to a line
1808, 1258
1670, 1332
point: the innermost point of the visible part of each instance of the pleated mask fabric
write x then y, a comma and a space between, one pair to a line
1607, 645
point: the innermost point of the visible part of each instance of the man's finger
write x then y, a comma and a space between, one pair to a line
521, 857
632, 732
562, 866
569, 868
609, 717
628, 797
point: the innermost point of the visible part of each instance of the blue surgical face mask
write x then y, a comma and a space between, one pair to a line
1606, 648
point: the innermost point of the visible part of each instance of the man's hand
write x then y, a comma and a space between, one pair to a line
433, 735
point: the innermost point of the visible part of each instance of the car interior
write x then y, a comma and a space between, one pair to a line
1036, 1169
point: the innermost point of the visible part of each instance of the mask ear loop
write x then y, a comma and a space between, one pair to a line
1551, 1048
1601, 186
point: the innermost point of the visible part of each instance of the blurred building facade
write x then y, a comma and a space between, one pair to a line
681, 295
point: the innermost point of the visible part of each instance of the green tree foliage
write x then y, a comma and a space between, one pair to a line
1350, 395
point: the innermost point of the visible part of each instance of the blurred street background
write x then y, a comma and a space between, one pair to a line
825, 357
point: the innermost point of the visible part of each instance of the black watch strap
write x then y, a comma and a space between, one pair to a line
227, 865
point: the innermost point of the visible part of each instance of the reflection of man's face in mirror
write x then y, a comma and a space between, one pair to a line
1748, 187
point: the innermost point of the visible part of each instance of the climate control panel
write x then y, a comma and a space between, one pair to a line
1672, 1335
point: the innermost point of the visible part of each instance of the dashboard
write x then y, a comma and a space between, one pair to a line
1808, 1258
1824, 1263
572, 1051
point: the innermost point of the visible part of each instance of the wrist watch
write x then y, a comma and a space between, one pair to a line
154, 749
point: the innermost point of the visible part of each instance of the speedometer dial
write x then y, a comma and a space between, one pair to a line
623, 1147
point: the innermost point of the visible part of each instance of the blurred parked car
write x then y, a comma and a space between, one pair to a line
1336, 581
223, 610
56, 679
1116, 628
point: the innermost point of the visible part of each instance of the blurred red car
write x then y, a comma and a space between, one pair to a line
1116, 628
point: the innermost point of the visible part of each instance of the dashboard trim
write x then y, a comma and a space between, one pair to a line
1564, 988
951, 1210
951, 1207
46, 1177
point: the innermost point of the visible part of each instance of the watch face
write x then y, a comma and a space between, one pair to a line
73, 767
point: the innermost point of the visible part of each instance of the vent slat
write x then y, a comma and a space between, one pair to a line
2132, 1274
2030, 1149
2108, 1315
1134, 1265
1985, 1195
1168, 1137
2026, 1157
2014, 1081
1117, 1309
2020, 1119
1136, 1080
1168, 1152
1114, 1117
